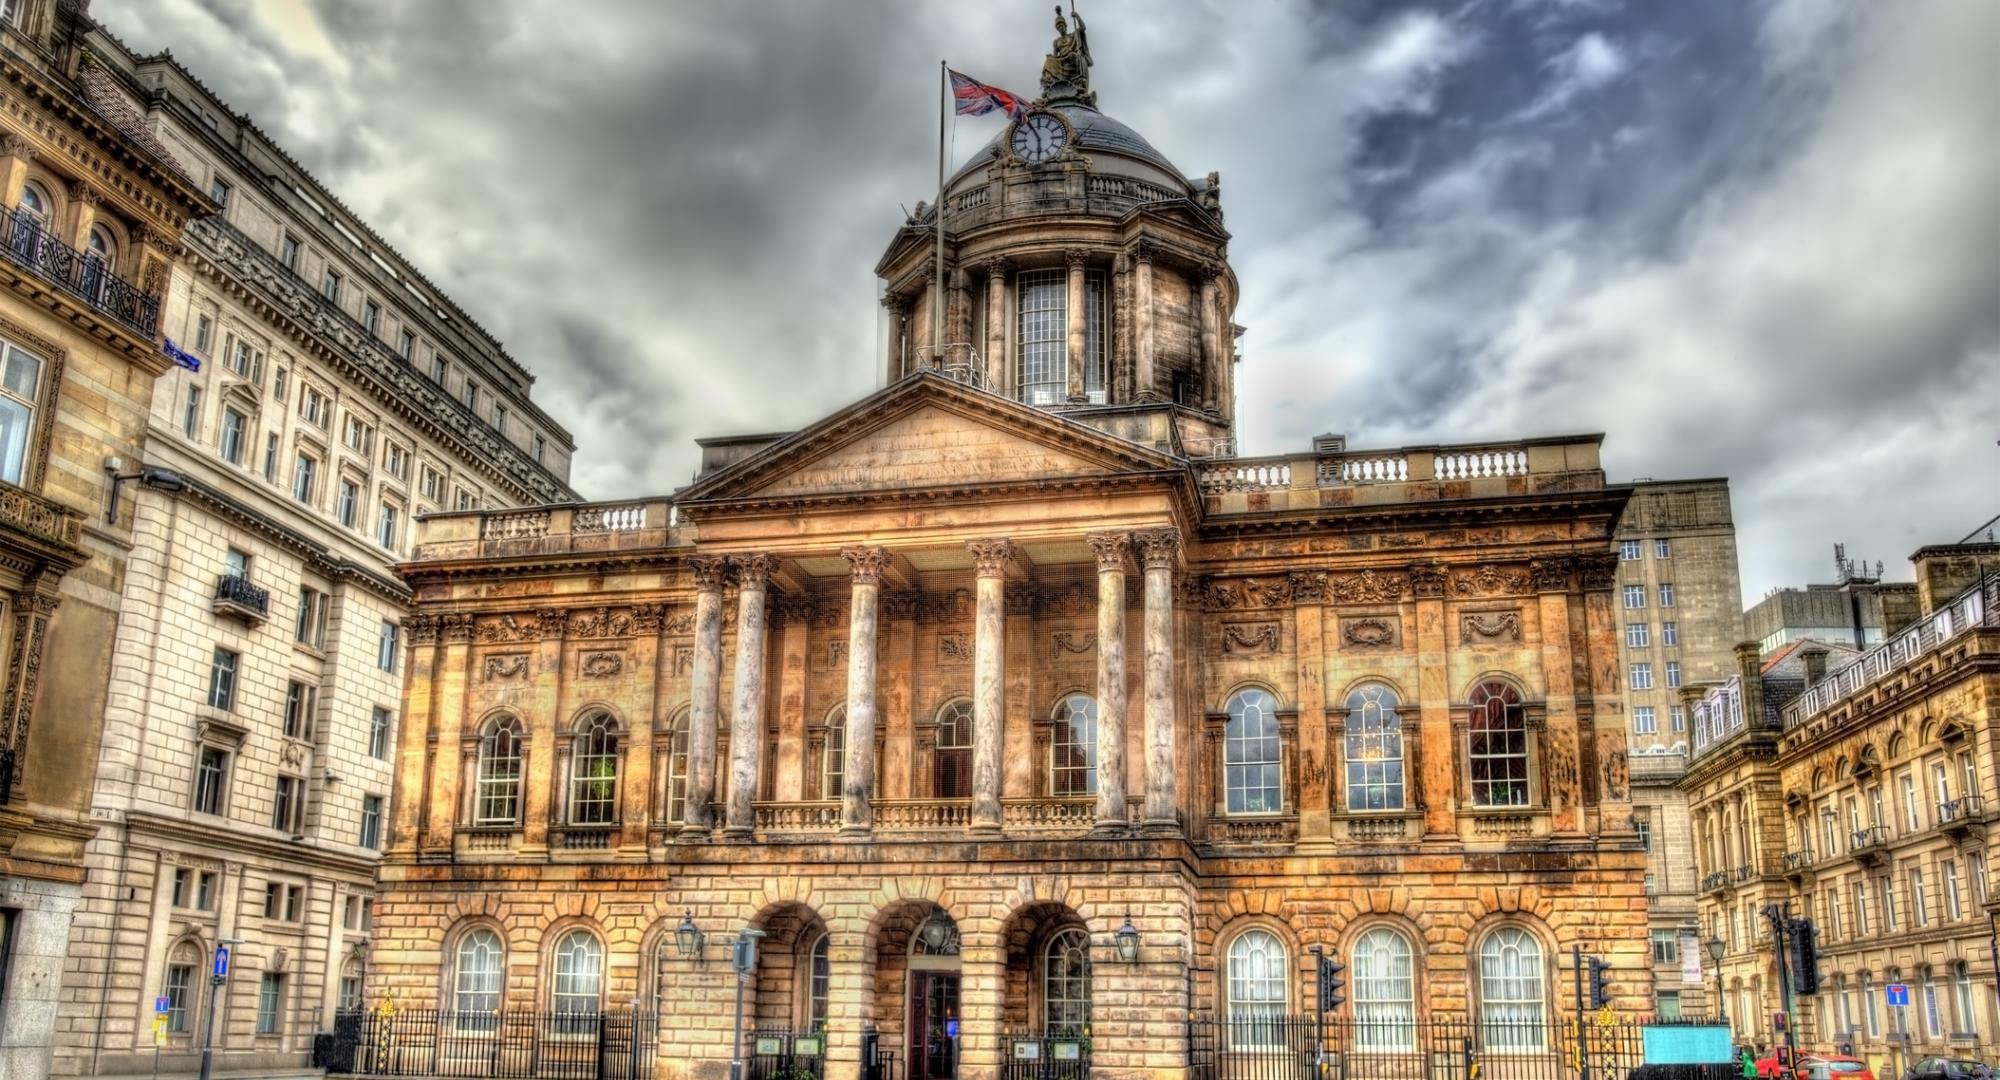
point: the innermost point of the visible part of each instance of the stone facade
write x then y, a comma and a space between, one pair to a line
1855, 789
1680, 602
256, 811
93, 211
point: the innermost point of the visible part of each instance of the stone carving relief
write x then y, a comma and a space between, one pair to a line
1071, 641
1490, 580
1476, 627
1599, 569
503, 629
1372, 631
1427, 580
600, 665
955, 648
604, 622
954, 606
1309, 586
682, 623
1368, 587
683, 660
503, 667
1243, 594
1616, 778
1249, 639
293, 755
1072, 599
1403, 540
1551, 575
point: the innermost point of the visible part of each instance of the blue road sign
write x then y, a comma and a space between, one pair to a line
1899, 995
951, 1029
160, 1004
221, 961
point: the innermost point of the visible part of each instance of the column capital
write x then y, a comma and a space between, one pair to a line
1076, 258
1111, 549
1159, 549
456, 629
15, 146
1550, 575
997, 266
753, 571
1143, 252
867, 563
419, 629
991, 556
83, 193
710, 571
1599, 569
897, 306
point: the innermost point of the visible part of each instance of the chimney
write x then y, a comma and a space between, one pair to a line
1945, 570
1813, 655
1750, 666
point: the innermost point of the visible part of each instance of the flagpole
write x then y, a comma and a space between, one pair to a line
937, 300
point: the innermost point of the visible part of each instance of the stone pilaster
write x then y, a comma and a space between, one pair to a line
899, 316
412, 737
1112, 550
1437, 755
456, 632
1077, 335
857, 812
544, 751
1160, 552
705, 705
989, 689
746, 730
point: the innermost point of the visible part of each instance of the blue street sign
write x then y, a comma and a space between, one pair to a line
951, 1029
160, 1004
1899, 995
221, 961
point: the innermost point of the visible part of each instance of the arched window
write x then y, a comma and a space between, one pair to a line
350, 984
31, 221
952, 771
181, 985
1073, 750
1385, 992
1511, 990
1498, 746
102, 245
1374, 749
477, 966
1066, 984
593, 792
677, 768
833, 760
1250, 772
1933, 1018
497, 796
35, 202
1962, 999
579, 974
100, 252
819, 982
1257, 990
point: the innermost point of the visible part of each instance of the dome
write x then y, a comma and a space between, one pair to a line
1095, 133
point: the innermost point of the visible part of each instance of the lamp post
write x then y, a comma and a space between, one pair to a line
743, 959
218, 980
1715, 947
1127, 941
689, 939
151, 476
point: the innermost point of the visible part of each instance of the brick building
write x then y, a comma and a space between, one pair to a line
947, 689
256, 667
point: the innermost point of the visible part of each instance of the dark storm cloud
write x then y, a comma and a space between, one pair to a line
1742, 239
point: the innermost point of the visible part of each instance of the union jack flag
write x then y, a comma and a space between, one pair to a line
975, 98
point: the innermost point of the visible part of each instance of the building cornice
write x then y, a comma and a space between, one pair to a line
210, 840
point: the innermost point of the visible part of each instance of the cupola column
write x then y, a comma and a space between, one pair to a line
996, 325
989, 686
1111, 549
705, 696
1160, 551
1212, 363
746, 733
892, 361
1076, 325
857, 810
1145, 380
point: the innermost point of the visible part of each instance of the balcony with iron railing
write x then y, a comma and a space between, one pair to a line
82, 276
1962, 813
1797, 862
1975, 607
1869, 844
238, 597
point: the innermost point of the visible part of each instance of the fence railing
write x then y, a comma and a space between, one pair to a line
784, 1054
1389, 1046
506, 1045
1041, 1055
83, 275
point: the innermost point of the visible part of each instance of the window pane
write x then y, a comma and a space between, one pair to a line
1498, 747
1043, 371
579, 970
1511, 990
594, 773
1374, 749
1073, 750
476, 979
1384, 992
1066, 984
1250, 754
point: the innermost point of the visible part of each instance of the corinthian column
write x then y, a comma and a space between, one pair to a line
746, 731
989, 689
857, 812
705, 693
1078, 334
1111, 549
1145, 380
1160, 552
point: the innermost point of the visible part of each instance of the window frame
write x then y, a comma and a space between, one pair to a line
1384, 1023
24, 467
597, 742
1245, 750
1063, 771
477, 984
566, 999
1249, 1006
1066, 999
210, 794
498, 773
1499, 702
1361, 735
1522, 1026
271, 1004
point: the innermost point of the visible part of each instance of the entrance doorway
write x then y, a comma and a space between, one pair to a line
933, 1025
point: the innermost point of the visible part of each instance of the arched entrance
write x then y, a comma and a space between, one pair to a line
919, 948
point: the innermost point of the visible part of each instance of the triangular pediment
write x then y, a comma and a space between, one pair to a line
927, 432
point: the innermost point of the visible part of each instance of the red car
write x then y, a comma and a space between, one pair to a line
1817, 1067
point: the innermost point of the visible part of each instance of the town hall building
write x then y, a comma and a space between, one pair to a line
1009, 701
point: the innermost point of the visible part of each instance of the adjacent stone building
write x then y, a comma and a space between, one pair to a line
965, 689
1856, 789
256, 670
91, 213
1679, 604
1857, 609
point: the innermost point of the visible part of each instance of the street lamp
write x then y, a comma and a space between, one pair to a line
689, 939
1127, 940
218, 978
1715, 947
743, 959
151, 476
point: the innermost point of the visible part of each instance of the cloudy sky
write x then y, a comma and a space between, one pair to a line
1753, 239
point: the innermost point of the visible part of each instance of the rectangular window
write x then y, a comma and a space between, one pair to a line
285, 804
311, 625
396, 461
371, 315
1666, 595
467, 500
1643, 722
211, 779
406, 345
1635, 596
1861, 907
344, 507
274, 899
378, 733
429, 482
1920, 908
1670, 633
1043, 336
1663, 548
222, 680
300, 702
1954, 903
1666, 947
1909, 785
1975, 868
204, 333
191, 412
500, 418
541, 448
1673, 674
1637, 635
386, 527
385, 649
294, 899
233, 426
371, 821
238, 355
1870, 1020
180, 995
355, 433
20, 390
440, 368
1644, 827
1642, 676
270, 457
183, 880
472, 396
270, 1004
204, 895
288, 252
1679, 714
218, 189
1628, 550
281, 383
329, 286
1886, 888
303, 474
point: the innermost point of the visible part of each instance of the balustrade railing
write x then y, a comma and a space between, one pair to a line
1258, 830
1364, 469
1962, 810
1976, 606
797, 817
1373, 828
519, 525
1246, 474
898, 815
85, 276
1502, 826
1871, 837
1048, 815
1798, 860
1475, 462
626, 517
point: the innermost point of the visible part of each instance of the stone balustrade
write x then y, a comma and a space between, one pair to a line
549, 530
798, 817
1071, 815
1409, 474
922, 815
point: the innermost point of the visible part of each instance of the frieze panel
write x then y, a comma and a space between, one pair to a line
602, 664
1071, 599
832, 656
505, 629
603, 622
1369, 587
1372, 631
1488, 627
1249, 638
1490, 580
1427, 580
505, 667
1244, 594
1065, 642
1309, 586
954, 648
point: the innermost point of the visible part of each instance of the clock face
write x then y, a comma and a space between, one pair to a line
1039, 137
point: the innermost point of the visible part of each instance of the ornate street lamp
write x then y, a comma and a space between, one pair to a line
1715, 946
1127, 940
688, 937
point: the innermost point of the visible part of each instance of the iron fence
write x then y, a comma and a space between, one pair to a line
509, 1045
780, 1054
1041, 1055
84, 275
1281, 1047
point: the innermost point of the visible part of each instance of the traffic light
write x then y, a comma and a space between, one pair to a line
1600, 983
1331, 984
1805, 957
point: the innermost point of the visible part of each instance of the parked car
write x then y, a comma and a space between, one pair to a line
1950, 1069
1834, 1067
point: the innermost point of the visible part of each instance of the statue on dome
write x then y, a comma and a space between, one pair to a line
1066, 70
